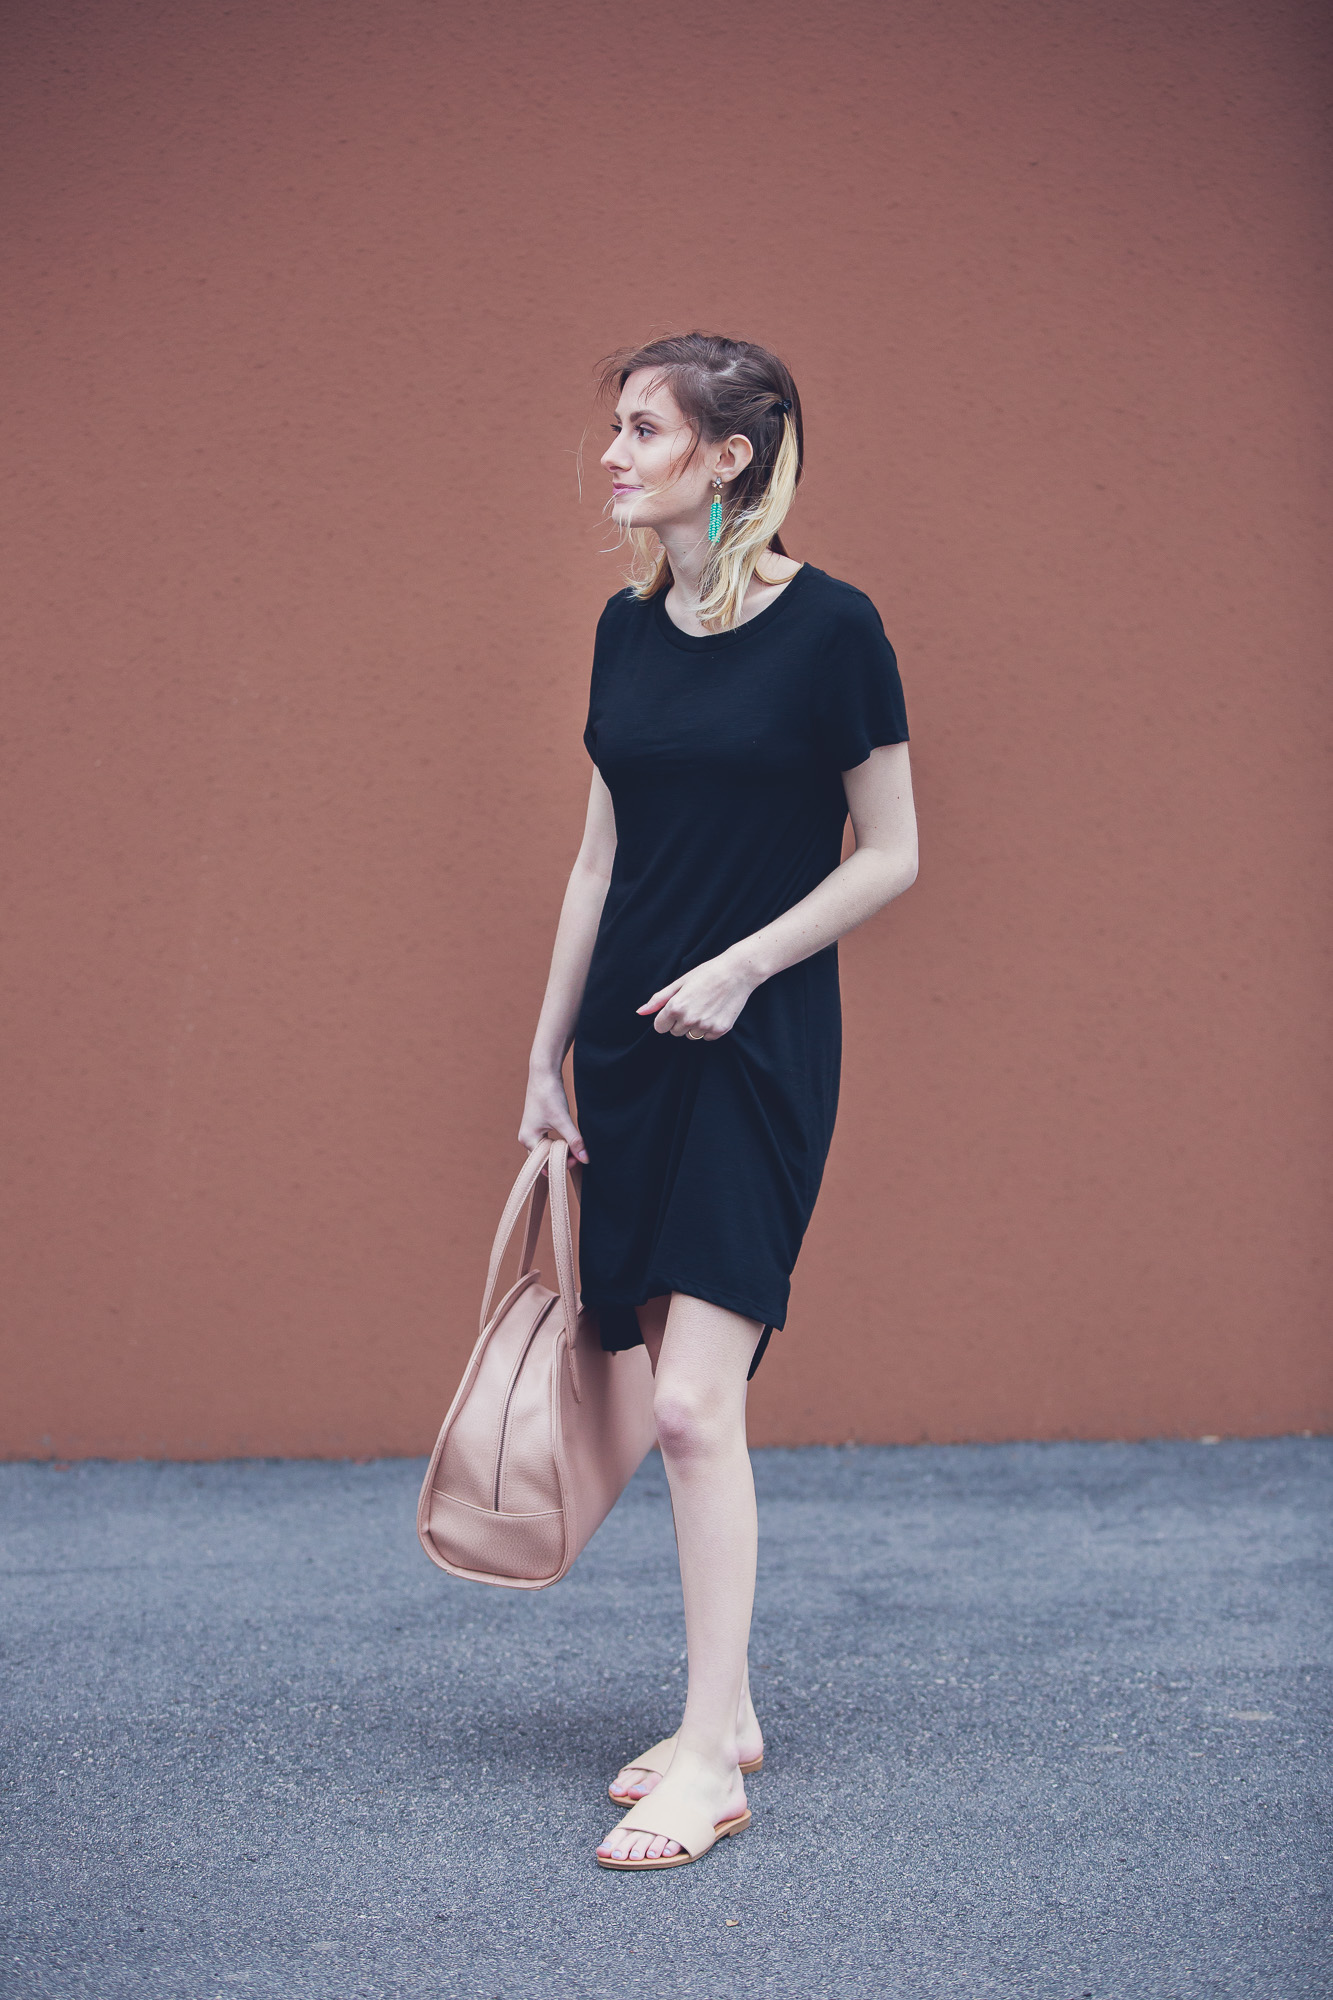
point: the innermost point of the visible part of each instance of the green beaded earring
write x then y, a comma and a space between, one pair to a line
715, 513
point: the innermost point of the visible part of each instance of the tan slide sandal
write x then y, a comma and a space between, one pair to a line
693, 1831
659, 1759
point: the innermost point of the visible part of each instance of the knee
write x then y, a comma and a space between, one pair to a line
686, 1427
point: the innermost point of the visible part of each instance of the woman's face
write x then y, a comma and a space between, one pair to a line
652, 485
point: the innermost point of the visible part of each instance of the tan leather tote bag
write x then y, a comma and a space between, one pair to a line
546, 1430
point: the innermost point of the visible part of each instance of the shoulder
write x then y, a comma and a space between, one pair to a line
844, 612
843, 603
622, 604
615, 627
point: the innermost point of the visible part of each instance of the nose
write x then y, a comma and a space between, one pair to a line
614, 457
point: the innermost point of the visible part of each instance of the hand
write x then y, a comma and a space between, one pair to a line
704, 1001
546, 1110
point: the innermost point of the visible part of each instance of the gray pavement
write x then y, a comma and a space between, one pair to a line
1047, 1721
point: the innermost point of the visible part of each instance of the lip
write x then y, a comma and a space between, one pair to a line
619, 492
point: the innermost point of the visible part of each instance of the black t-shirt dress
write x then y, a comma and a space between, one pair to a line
723, 755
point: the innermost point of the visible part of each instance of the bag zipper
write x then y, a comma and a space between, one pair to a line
509, 1397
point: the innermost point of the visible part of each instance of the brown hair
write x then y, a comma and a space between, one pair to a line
723, 387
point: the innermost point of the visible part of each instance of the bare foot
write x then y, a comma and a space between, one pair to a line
633, 1782
714, 1789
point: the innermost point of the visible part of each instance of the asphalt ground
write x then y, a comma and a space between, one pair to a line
1044, 1720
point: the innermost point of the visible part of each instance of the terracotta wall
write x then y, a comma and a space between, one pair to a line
301, 310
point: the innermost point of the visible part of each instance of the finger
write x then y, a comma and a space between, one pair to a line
575, 1145
571, 1137
662, 995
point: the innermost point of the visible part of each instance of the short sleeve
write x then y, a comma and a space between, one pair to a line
597, 678
859, 698
590, 726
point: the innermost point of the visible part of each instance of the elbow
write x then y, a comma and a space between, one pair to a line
901, 871
895, 870
593, 865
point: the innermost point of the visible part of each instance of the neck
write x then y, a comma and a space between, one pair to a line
687, 552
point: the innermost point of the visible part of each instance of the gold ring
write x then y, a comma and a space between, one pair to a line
692, 1038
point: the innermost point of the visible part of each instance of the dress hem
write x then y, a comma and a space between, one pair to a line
746, 1307
635, 1339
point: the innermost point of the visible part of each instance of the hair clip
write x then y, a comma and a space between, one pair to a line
785, 404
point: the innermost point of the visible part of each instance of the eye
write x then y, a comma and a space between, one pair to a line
645, 430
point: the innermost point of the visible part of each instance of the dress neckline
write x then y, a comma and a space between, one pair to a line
705, 642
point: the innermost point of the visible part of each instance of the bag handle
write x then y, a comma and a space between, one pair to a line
531, 1186
562, 1238
537, 1211
529, 1176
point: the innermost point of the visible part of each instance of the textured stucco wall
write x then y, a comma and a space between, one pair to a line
301, 308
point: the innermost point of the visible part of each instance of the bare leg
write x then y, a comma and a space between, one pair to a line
632, 1782
699, 1398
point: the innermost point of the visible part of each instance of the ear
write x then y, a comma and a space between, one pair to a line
733, 457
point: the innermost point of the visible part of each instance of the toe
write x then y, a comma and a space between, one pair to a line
631, 1845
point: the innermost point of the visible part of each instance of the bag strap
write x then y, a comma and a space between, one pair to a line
563, 1239
529, 1177
531, 1186
537, 1210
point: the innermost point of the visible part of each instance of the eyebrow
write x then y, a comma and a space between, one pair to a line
636, 416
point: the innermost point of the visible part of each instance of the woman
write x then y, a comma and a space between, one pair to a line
741, 704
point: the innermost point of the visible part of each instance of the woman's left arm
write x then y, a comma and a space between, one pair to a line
706, 1000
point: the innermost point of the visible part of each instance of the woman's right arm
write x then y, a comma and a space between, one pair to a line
546, 1107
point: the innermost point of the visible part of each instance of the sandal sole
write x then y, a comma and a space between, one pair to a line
724, 1830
